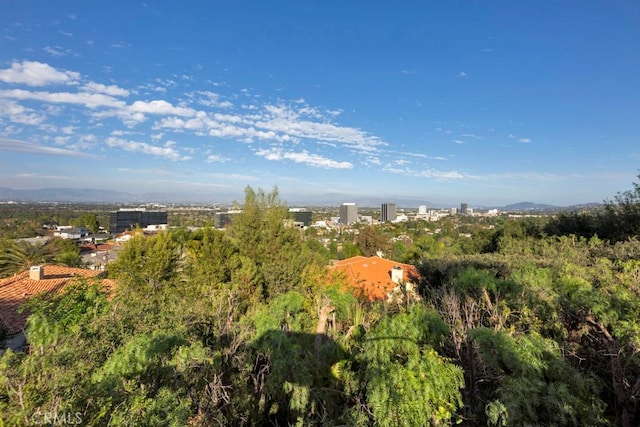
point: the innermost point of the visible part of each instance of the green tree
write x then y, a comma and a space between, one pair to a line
370, 240
87, 220
622, 215
406, 382
18, 256
533, 384
262, 235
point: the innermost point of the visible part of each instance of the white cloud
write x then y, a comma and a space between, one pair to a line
112, 90
293, 123
212, 99
89, 100
143, 147
281, 119
171, 123
83, 142
34, 73
524, 140
304, 157
19, 114
61, 140
427, 173
372, 160
457, 141
214, 158
160, 107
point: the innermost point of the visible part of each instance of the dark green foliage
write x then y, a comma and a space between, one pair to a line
88, 221
533, 384
405, 381
261, 235
619, 220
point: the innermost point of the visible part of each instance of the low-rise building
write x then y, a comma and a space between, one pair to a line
75, 233
378, 279
18, 289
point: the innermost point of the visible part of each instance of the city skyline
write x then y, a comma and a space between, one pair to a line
489, 103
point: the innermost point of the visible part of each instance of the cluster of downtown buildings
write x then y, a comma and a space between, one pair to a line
152, 220
348, 214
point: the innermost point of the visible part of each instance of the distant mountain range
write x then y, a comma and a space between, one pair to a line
530, 206
92, 195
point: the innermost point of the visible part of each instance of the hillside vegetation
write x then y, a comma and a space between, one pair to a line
520, 325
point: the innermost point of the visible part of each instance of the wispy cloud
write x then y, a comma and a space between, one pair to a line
42, 176
314, 160
422, 156
112, 90
89, 100
29, 147
472, 135
524, 140
427, 173
20, 114
57, 51
214, 158
299, 129
143, 147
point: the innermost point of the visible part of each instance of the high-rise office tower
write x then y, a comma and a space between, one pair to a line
388, 212
463, 208
348, 213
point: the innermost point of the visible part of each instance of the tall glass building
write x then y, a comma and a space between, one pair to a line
128, 219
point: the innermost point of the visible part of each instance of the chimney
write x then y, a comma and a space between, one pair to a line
396, 274
36, 272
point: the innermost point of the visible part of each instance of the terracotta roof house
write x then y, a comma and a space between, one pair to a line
377, 279
17, 289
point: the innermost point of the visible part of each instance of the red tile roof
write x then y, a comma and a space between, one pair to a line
16, 290
371, 277
90, 247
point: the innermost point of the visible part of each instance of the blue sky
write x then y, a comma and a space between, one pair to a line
487, 102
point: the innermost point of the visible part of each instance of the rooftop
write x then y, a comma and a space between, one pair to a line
17, 289
371, 277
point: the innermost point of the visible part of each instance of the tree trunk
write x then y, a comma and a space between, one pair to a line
618, 381
324, 310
